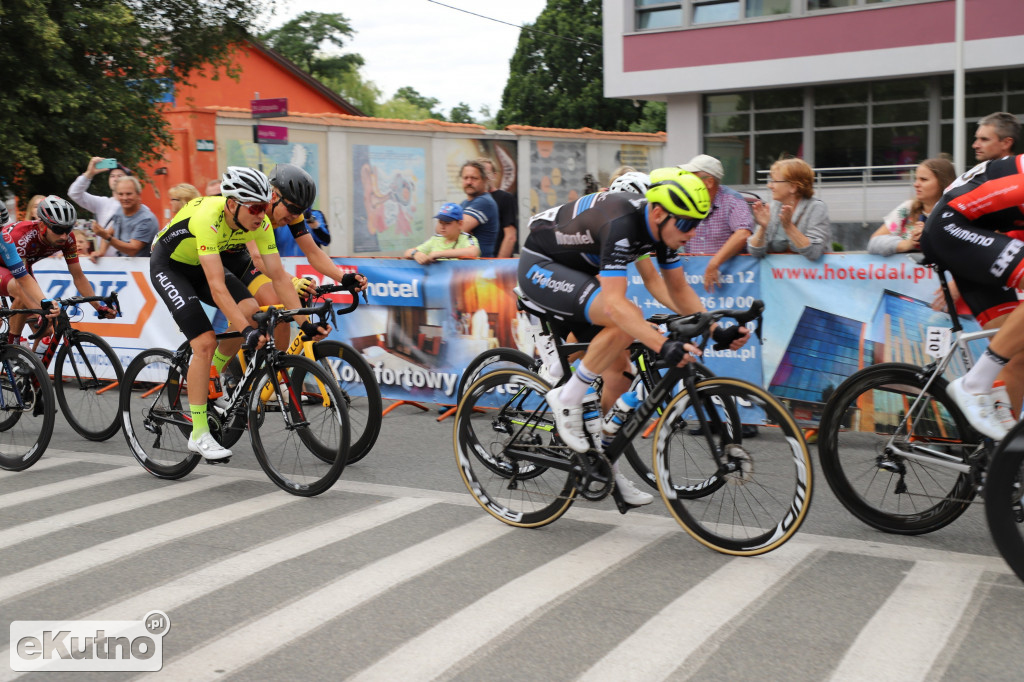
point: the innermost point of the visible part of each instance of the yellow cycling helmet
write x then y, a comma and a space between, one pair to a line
679, 192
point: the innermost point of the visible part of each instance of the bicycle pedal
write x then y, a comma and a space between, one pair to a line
215, 462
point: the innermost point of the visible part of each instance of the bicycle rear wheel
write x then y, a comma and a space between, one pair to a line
301, 434
501, 412
862, 431
27, 408
489, 361
762, 498
360, 391
155, 414
86, 374
1003, 504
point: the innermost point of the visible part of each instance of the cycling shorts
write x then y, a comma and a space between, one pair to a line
987, 266
241, 265
565, 293
6, 276
184, 288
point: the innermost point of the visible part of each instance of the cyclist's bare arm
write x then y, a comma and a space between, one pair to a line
82, 283
655, 284
316, 256
214, 271
613, 308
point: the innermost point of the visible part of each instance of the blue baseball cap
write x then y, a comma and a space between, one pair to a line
449, 213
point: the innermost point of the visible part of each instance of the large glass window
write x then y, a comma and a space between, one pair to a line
661, 14
761, 126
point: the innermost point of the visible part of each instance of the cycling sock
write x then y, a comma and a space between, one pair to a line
219, 360
572, 391
984, 373
200, 425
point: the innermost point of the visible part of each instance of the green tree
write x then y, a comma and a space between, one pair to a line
428, 104
461, 113
556, 78
84, 77
306, 39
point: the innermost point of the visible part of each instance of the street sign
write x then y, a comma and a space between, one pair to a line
269, 108
264, 134
205, 146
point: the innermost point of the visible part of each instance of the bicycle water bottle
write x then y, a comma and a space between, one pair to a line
592, 416
617, 416
216, 390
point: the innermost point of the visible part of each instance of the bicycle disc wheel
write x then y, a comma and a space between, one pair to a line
155, 414
490, 360
502, 411
86, 375
879, 486
1003, 505
764, 495
360, 391
301, 433
27, 408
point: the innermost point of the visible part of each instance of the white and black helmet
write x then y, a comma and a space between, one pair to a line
633, 181
5, 217
57, 214
245, 185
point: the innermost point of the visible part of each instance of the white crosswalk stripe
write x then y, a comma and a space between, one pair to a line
926, 607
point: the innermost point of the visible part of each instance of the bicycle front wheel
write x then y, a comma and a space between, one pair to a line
504, 413
871, 423
155, 414
27, 408
360, 391
1003, 504
761, 490
489, 361
86, 375
301, 433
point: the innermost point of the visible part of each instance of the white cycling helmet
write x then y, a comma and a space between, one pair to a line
633, 181
245, 185
57, 214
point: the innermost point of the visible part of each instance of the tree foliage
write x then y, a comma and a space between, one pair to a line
85, 77
556, 74
306, 39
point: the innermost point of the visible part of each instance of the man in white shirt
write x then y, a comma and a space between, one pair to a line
103, 208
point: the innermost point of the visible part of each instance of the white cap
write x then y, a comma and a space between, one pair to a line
705, 164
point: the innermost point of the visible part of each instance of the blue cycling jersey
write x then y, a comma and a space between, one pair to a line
11, 260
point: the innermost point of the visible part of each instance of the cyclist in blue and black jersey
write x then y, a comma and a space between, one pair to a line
573, 264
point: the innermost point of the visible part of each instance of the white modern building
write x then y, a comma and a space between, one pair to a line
843, 84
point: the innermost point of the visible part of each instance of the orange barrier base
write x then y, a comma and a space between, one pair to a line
403, 402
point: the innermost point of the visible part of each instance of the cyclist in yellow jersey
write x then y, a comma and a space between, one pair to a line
186, 271
292, 192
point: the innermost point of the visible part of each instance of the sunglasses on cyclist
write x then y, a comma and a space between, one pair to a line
685, 225
290, 207
256, 209
59, 229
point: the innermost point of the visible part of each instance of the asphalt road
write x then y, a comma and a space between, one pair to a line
396, 573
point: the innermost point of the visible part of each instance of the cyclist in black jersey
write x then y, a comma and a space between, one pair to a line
971, 233
573, 264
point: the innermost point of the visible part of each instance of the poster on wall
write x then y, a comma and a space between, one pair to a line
305, 155
389, 211
556, 173
612, 157
502, 154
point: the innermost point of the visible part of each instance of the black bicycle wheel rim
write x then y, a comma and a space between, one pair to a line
361, 392
86, 385
27, 408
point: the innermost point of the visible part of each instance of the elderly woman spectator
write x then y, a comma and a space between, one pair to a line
795, 221
901, 229
180, 195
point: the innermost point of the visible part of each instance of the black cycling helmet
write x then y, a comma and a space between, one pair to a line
57, 214
5, 217
295, 185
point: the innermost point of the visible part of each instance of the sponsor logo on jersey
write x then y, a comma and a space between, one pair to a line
1006, 258
577, 239
624, 243
545, 280
968, 236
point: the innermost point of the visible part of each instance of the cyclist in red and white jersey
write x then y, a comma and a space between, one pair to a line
966, 234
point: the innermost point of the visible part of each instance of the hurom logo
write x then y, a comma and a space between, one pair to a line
89, 645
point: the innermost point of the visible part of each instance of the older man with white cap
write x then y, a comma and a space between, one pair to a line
725, 231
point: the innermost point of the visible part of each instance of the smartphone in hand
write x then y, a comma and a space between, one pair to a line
106, 164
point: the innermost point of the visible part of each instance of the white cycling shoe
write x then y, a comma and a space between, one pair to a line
631, 495
981, 410
568, 421
209, 448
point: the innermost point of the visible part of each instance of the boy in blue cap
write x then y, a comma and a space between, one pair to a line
449, 241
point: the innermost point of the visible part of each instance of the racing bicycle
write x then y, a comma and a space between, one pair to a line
27, 409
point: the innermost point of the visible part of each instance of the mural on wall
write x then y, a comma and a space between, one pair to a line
611, 157
556, 173
501, 152
389, 211
265, 156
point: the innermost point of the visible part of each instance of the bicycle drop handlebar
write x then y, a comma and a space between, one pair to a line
688, 327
